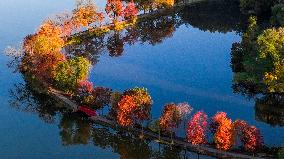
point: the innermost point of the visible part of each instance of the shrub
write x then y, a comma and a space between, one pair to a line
135, 105
196, 130
84, 93
70, 72
216, 119
184, 109
102, 96
114, 100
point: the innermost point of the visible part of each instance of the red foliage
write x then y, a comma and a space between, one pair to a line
250, 136
85, 87
130, 11
197, 126
170, 117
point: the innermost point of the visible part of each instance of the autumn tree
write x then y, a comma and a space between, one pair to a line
86, 13
197, 127
249, 135
114, 9
135, 105
130, 11
224, 131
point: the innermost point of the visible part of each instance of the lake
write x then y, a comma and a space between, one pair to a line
180, 57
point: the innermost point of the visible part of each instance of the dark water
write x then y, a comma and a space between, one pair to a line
180, 57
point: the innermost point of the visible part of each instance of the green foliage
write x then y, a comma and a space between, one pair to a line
258, 61
70, 72
271, 48
278, 14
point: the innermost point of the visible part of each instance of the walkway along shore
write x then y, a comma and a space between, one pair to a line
200, 149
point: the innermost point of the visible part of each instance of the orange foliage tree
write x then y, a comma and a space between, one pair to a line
224, 131
114, 8
125, 111
134, 106
170, 117
196, 130
85, 14
43, 51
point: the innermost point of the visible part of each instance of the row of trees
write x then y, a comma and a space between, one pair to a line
132, 107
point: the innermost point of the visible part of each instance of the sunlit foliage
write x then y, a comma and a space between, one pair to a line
224, 131
125, 111
271, 45
86, 13
170, 117
114, 9
70, 72
130, 11
250, 136
134, 106
197, 127
164, 3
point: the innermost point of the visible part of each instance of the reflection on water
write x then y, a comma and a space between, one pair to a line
214, 16
25, 98
76, 129
270, 109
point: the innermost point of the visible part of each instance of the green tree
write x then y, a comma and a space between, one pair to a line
70, 72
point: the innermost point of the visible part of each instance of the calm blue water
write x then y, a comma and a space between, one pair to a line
191, 65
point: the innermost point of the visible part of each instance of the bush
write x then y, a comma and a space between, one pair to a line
70, 72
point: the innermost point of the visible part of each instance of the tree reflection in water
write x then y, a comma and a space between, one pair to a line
76, 129
24, 98
270, 109
248, 74
155, 29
